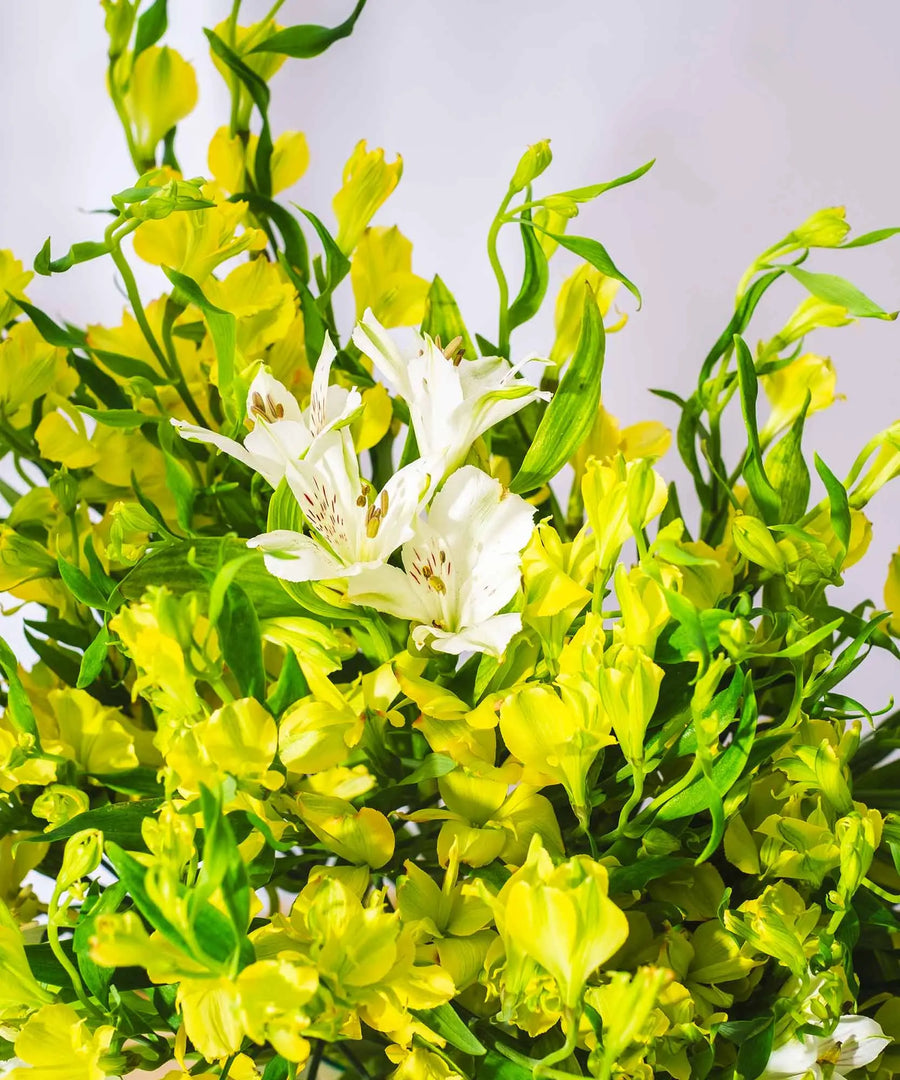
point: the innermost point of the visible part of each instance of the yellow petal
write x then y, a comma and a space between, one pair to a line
368, 180
290, 160
161, 91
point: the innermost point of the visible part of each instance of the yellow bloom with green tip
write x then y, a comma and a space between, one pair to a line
56, 1042
29, 369
359, 836
787, 387
242, 41
367, 181
161, 90
382, 278
628, 684
13, 279
570, 308
892, 592
562, 917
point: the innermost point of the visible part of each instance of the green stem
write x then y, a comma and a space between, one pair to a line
119, 106
173, 310
58, 951
635, 797
502, 284
131, 289
233, 82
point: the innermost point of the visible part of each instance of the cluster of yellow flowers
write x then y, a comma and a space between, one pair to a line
387, 717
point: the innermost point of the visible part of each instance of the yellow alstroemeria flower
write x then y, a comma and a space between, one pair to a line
616, 494
382, 278
13, 279
367, 181
787, 388
57, 1042
892, 593
93, 735
272, 995
20, 992
628, 684
242, 41
262, 300
570, 308
195, 242
29, 369
562, 917
359, 836
231, 160
161, 90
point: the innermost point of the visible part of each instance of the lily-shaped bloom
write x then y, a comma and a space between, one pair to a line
462, 566
353, 527
451, 400
856, 1041
282, 433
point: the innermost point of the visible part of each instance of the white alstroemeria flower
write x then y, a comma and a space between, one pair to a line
354, 529
282, 432
462, 566
451, 401
856, 1041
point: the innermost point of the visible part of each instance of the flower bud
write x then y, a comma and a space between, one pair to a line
119, 23
858, 838
754, 541
161, 91
531, 164
884, 466
81, 857
65, 488
824, 228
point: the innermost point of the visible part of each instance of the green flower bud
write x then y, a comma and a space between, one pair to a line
754, 541
825, 228
65, 487
80, 858
858, 838
119, 23
531, 164
562, 205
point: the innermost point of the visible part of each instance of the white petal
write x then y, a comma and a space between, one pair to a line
371, 338
472, 512
263, 463
318, 401
861, 1041
326, 485
295, 557
405, 491
270, 389
793, 1059
491, 636
387, 588
281, 442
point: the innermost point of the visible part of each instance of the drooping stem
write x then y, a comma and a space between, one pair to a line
502, 283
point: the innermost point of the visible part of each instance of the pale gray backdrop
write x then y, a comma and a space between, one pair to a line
757, 113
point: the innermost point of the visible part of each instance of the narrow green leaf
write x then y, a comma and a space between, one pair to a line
787, 469
591, 251
96, 978
47, 328
432, 767
839, 504
337, 265
874, 237
764, 495
294, 242
150, 27
569, 416
119, 822
535, 277
837, 290
80, 585
223, 331
77, 253
444, 1021
241, 642
303, 42
443, 318
120, 418
94, 658
18, 706
586, 194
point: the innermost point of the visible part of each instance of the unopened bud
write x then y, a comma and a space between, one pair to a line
531, 164
65, 488
754, 541
825, 228
80, 858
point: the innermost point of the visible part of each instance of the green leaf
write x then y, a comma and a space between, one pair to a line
874, 237
295, 251
97, 978
726, 768
591, 251
277, 1069
290, 687
150, 27
535, 277
636, 875
62, 662
18, 707
77, 253
80, 585
303, 42
571, 413
764, 495
47, 328
432, 767
444, 1021
443, 318
787, 470
755, 1052
259, 92
222, 867
836, 290
119, 822
497, 1067
127, 367
94, 658
839, 505
241, 642
337, 265
586, 194
223, 332
120, 418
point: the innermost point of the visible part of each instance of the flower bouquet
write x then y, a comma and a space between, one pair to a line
389, 716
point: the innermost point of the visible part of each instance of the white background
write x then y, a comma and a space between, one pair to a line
758, 114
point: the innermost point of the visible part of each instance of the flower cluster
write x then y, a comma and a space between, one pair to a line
388, 715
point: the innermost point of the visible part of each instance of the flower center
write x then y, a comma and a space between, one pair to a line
452, 350
375, 513
433, 571
266, 408
324, 514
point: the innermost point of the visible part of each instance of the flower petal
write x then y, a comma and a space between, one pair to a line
371, 338
491, 636
295, 557
387, 588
